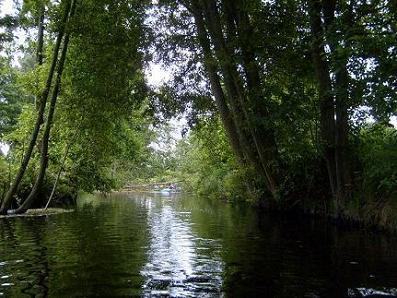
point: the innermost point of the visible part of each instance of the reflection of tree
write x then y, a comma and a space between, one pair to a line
104, 249
7, 232
25, 255
98, 250
39, 276
275, 256
106, 254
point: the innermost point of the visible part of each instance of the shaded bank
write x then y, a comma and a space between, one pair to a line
37, 212
207, 166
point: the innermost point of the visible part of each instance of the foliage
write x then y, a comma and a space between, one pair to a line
206, 164
378, 157
4, 178
101, 118
11, 96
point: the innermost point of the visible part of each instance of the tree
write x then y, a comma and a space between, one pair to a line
43, 100
49, 122
240, 101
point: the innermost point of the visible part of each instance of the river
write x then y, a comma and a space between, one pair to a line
180, 246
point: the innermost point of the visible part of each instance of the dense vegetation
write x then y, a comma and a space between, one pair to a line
288, 102
92, 73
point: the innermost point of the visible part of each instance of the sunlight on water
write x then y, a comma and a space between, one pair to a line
367, 292
175, 266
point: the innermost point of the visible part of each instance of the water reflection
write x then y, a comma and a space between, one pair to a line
181, 246
367, 292
28, 269
178, 265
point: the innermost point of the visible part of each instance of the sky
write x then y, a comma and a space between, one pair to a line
6, 7
156, 75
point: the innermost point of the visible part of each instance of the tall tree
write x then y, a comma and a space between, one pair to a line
327, 108
253, 128
330, 20
49, 121
39, 119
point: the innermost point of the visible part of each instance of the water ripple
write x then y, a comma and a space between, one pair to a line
153, 246
175, 265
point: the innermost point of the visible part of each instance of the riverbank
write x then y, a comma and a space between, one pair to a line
39, 212
374, 216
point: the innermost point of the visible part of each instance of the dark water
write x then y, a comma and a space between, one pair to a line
154, 246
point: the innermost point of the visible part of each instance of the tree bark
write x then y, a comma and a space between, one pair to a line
40, 38
43, 100
40, 45
230, 100
240, 104
342, 78
266, 138
47, 129
341, 93
216, 88
327, 108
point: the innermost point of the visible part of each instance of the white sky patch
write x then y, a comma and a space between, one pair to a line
6, 7
167, 141
4, 148
156, 75
393, 121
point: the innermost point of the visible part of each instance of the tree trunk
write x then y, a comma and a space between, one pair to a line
239, 102
47, 130
342, 156
342, 115
40, 38
61, 167
216, 88
267, 147
43, 100
40, 45
342, 152
327, 109
226, 104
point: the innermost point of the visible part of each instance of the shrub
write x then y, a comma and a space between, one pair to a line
378, 158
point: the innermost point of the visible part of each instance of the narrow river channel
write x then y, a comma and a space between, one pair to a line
179, 246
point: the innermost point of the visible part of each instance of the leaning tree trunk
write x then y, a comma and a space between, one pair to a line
238, 99
40, 44
266, 142
43, 100
216, 88
47, 130
40, 38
